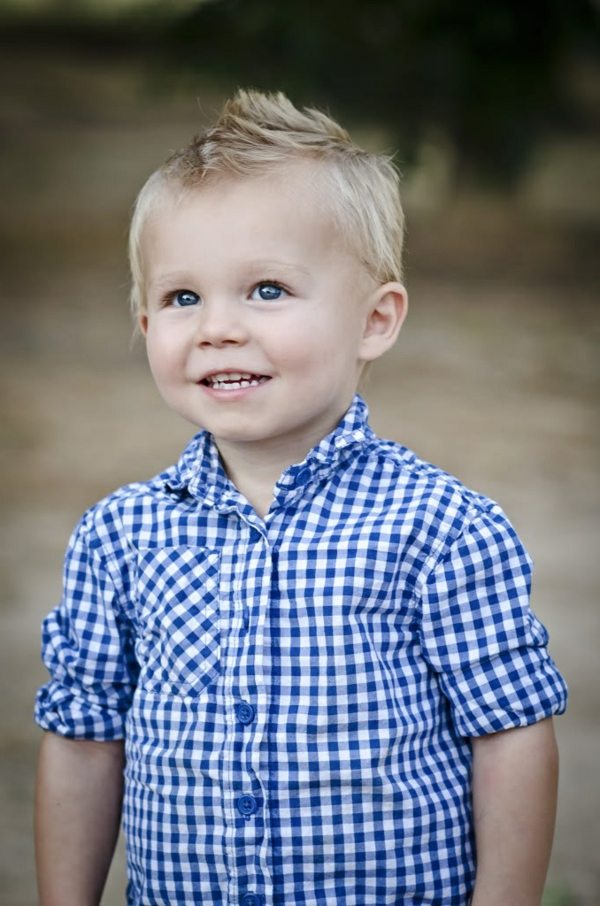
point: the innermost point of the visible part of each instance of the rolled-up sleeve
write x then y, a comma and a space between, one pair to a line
480, 635
87, 647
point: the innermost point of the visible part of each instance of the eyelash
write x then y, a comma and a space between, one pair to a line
270, 283
169, 298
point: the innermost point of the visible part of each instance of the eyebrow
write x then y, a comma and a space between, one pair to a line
267, 264
168, 280
260, 267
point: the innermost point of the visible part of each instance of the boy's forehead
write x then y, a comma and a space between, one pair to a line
297, 182
270, 205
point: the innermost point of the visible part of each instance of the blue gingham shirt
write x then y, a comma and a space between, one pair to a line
297, 693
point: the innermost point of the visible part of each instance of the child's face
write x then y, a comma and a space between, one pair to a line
256, 314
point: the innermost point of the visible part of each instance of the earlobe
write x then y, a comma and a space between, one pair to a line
386, 313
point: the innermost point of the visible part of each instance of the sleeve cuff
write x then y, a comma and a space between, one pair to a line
512, 689
62, 711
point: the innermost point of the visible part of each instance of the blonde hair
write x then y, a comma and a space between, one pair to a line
257, 132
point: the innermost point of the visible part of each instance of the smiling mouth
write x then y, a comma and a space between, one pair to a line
233, 380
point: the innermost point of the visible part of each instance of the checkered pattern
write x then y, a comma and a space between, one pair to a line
374, 621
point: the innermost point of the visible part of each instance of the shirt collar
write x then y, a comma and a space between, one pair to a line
200, 472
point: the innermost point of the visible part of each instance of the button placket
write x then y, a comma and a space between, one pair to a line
246, 829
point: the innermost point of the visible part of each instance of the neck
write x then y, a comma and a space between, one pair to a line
255, 467
255, 472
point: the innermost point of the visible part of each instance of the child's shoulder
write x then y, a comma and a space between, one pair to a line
410, 475
134, 505
426, 496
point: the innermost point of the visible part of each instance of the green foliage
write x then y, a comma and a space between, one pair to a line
488, 78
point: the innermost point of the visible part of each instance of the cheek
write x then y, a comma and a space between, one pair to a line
162, 355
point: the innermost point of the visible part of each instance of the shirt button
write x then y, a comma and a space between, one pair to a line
245, 712
252, 899
247, 805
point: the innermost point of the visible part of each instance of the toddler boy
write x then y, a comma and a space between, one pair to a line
310, 651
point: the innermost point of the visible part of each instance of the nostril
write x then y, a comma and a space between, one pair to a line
219, 342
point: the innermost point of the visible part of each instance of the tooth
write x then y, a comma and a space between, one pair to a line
230, 377
234, 380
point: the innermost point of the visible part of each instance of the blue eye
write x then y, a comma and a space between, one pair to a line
184, 297
268, 292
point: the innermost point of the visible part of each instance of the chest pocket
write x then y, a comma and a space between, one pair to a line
179, 642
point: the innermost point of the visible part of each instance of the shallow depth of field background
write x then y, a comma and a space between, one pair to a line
495, 376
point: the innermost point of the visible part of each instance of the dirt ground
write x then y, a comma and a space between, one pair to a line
495, 378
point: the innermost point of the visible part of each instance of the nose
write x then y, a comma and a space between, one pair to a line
220, 323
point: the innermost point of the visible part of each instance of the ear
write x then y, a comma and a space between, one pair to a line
387, 308
143, 323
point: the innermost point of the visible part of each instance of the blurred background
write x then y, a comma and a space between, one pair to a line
493, 112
